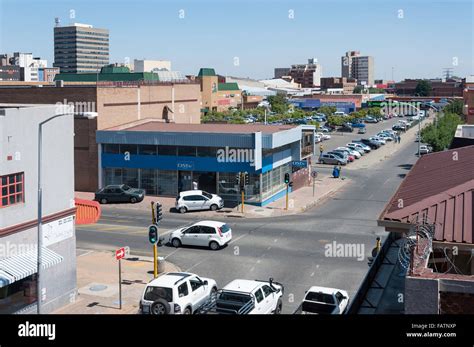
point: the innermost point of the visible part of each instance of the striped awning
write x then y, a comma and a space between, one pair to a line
17, 267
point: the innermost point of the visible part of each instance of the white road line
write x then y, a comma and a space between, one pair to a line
312, 274
197, 264
237, 239
269, 248
276, 240
169, 255
253, 268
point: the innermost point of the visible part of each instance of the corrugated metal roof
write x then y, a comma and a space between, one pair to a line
439, 190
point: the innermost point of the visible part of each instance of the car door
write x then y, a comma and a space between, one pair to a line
202, 203
116, 195
270, 302
198, 292
341, 302
206, 234
191, 235
259, 302
190, 202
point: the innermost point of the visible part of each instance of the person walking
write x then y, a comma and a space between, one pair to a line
399, 138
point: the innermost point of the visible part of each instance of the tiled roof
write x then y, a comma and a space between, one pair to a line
439, 189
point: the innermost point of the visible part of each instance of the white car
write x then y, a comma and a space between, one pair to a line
377, 139
317, 138
195, 200
322, 300
247, 297
205, 234
324, 136
385, 137
361, 148
177, 293
424, 149
353, 152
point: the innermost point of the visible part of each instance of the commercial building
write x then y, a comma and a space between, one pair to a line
150, 65
359, 67
80, 48
218, 96
346, 84
432, 211
307, 75
115, 102
19, 208
281, 71
165, 158
439, 87
10, 73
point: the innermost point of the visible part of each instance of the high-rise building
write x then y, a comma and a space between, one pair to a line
308, 75
281, 71
360, 67
80, 48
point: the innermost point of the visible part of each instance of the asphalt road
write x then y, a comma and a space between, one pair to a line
290, 249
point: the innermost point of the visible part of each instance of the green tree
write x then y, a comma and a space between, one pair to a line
455, 106
358, 90
336, 120
327, 110
440, 134
278, 103
423, 88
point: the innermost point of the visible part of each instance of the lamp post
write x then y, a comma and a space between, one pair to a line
39, 260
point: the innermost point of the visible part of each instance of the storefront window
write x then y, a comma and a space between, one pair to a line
210, 152
167, 183
167, 150
111, 149
147, 149
131, 149
186, 151
130, 177
148, 181
112, 176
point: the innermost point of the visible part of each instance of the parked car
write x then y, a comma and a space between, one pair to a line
119, 193
377, 139
317, 138
341, 155
346, 128
370, 119
177, 293
399, 127
349, 151
195, 200
247, 297
367, 142
324, 136
362, 131
345, 154
321, 300
332, 159
358, 147
205, 234
424, 149
358, 125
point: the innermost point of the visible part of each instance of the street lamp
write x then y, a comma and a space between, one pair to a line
88, 115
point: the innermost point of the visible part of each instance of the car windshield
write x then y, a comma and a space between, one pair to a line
125, 187
155, 293
320, 297
207, 195
225, 228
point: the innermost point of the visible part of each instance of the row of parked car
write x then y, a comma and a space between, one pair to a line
357, 148
188, 293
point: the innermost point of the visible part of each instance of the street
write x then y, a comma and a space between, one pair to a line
290, 249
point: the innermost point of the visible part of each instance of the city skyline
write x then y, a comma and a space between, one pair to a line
195, 27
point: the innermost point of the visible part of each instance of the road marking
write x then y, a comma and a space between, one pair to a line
258, 261
269, 248
311, 275
253, 268
169, 255
237, 239
276, 240
197, 264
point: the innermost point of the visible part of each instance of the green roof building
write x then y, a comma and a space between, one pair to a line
205, 71
110, 73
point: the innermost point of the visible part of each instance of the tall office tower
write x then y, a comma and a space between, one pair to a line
354, 65
80, 48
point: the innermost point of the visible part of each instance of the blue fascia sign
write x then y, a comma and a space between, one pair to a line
300, 163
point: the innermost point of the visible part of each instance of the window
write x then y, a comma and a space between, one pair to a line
147, 149
339, 297
167, 150
186, 151
259, 295
267, 290
183, 290
193, 230
12, 189
207, 230
195, 284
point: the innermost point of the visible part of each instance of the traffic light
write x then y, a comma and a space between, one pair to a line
153, 234
159, 212
287, 178
247, 179
237, 178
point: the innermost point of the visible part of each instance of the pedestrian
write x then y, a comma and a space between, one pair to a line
195, 185
399, 138
321, 149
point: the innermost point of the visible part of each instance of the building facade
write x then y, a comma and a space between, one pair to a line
359, 67
468, 97
10, 73
18, 209
80, 48
346, 84
307, 75
165, 158
217, 95
150, 65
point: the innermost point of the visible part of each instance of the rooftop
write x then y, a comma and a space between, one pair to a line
206, 72
439, 189
159, 126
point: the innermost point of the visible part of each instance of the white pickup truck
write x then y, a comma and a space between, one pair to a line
247, 297
322, 300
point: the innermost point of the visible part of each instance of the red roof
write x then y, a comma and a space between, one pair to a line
439, 190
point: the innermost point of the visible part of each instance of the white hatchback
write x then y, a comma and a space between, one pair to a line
205, 234
195, 200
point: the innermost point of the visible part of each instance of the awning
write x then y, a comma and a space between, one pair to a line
17, 267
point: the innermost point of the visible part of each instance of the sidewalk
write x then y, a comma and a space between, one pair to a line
97, 282
298, 201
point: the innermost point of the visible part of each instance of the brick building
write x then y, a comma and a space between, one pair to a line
439, 87
346, 84
116, 103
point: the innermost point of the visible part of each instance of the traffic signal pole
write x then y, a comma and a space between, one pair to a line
155, 248
287, 189
242, 193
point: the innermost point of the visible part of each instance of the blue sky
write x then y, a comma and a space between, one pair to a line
432, 35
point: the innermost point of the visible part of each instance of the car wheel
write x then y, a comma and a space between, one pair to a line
103, 201
183, 210
213, 207
160, 306
214, 245
133, 200
187, 310
176, 242
278, 307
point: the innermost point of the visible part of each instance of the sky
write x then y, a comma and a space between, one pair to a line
249, 38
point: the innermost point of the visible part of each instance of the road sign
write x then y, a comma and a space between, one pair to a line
120, 253
300, 163
314, 174
127, 251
